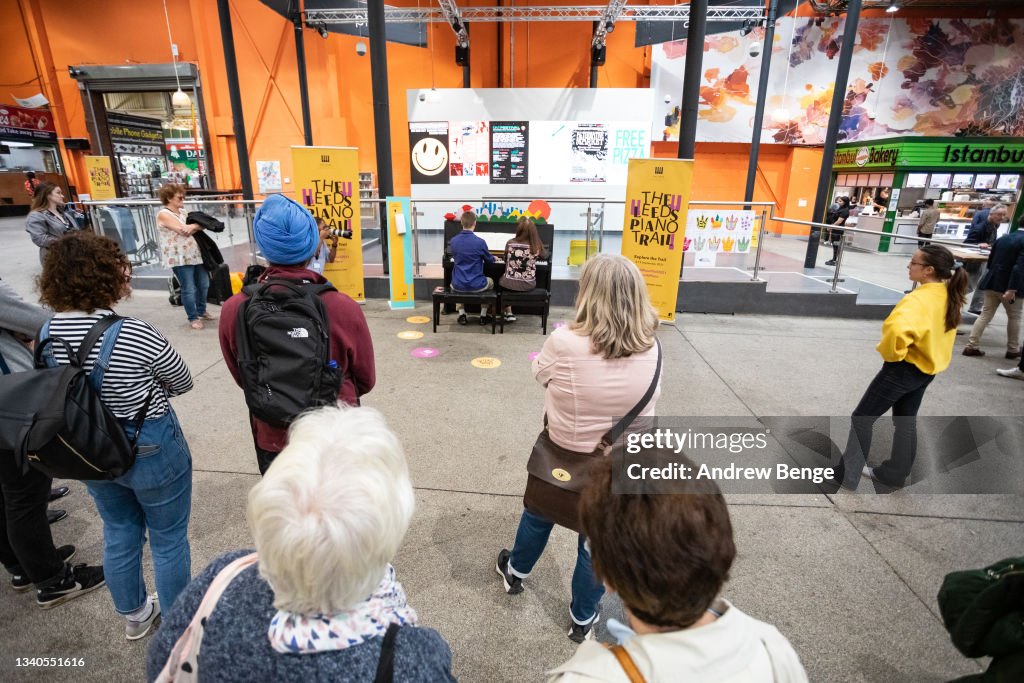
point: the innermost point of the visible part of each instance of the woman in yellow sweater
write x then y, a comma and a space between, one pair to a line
917, 344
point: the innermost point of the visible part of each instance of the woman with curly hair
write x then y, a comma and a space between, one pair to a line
83, 277
181, 254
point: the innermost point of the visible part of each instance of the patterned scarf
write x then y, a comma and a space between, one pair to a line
292, 633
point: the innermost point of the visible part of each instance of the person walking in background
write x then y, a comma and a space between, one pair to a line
83, 277
49, 217
983, 232
597, 367
180, 252
26, 544
287, 236
837, 217
917, 344
1003, 283
318, 600
926, 223
521, 254
668, 556
31, 183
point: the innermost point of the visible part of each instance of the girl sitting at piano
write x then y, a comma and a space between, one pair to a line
521, 254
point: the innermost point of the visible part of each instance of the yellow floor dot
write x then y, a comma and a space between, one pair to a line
485, 362
410, 334
417, 319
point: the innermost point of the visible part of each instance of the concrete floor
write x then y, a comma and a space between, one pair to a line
851, 582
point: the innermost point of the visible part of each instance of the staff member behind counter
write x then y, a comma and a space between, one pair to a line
881, 201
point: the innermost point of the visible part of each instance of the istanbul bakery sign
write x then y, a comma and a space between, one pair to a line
867, 156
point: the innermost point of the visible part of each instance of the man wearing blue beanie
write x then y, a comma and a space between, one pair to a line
287, 236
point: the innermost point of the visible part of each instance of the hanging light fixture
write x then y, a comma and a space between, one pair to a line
180, 98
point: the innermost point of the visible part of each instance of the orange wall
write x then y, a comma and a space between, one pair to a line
543, 54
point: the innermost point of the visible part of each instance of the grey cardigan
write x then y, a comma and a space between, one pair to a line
18, 316
45, 228
236, 648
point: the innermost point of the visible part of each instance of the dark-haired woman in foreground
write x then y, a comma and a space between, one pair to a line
668, 557
917, 344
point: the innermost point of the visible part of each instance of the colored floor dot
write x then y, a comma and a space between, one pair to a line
417, 319
424, 352
533, 354
410, 334
485, 362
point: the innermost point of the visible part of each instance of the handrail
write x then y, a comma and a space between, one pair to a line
827, 226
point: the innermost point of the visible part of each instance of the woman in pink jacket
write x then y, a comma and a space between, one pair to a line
597, 367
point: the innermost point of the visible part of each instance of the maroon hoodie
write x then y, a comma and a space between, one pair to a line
350, 345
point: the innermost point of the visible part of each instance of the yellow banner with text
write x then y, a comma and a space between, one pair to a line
327, 183
657, 198
101, 179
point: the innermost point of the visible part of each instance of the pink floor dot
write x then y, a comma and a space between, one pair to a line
560, 323
424, 352
534, 354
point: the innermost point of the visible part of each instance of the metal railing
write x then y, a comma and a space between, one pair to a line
842, 243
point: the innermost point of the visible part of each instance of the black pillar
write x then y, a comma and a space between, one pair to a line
691, 77
762, 95
834, 119
227, 38
381, 111
594, 55
300, 61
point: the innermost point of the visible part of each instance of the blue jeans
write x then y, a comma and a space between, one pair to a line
899, 386
195, 283
531, 538
155, 494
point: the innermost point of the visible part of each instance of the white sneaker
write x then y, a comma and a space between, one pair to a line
133, 630
1012, 373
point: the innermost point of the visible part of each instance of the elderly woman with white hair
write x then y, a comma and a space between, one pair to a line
318, 600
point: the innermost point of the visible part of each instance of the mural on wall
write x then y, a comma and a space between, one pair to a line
915, 76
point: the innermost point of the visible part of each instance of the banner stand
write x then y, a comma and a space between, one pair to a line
400, 253
657, 199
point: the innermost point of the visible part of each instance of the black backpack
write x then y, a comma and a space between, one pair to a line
52, 417
284, 350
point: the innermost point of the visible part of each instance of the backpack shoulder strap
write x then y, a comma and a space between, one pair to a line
386, 664
183, 662
626, 662
616, 431
106, 349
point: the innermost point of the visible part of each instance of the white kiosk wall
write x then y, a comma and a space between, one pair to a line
468, 145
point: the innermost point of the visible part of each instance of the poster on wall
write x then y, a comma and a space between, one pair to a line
101, 179
589, 153
327, 183
428, 152
509, 152
268, 176
657, 199
468, 152
712, 232
17, 123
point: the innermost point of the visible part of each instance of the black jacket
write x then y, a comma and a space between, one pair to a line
209, 250
1006, 265
985, 233
206, 220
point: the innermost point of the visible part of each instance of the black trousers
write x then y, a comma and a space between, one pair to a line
26, 544
264, 459
899, 386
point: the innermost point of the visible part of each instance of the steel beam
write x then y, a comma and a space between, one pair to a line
414, 15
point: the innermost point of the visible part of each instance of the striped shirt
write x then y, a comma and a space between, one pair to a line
142, 358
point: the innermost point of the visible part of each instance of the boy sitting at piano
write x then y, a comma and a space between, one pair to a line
469, 252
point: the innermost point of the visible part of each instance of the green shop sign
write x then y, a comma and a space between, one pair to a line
933, 153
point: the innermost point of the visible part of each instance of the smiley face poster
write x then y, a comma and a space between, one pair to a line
428, 152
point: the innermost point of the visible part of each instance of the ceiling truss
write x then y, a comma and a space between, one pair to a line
419, 15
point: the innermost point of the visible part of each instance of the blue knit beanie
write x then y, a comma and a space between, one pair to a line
285, 231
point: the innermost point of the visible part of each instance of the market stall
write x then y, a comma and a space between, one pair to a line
962, 175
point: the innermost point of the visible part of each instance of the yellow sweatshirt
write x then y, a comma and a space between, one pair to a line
916, 332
